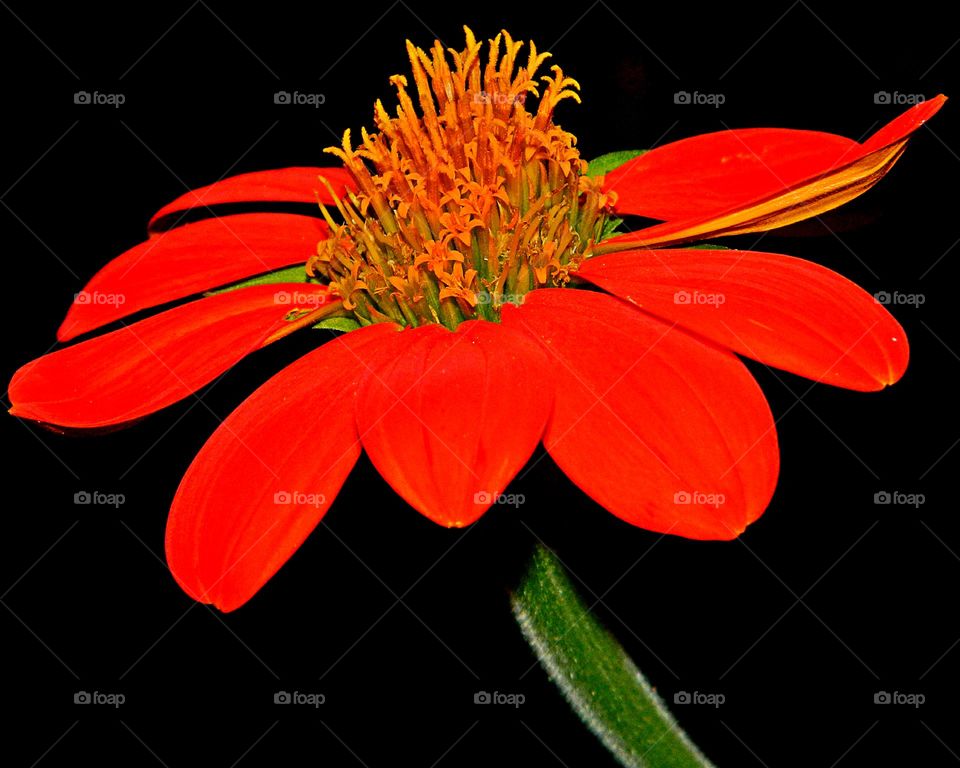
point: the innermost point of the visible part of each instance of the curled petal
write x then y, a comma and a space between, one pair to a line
713, 172
791, 199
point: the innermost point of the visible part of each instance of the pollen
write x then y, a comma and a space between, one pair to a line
467, 197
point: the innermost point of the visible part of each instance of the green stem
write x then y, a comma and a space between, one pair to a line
594, 673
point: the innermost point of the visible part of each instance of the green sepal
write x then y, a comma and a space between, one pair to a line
294, 274
337, 324
602, 165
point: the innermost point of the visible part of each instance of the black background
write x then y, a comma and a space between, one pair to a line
825, 601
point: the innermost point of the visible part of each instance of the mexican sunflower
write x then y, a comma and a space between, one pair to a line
472, 258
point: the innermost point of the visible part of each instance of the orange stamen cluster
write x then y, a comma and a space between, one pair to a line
468, 205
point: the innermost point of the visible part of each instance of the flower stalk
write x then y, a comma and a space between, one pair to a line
594, 673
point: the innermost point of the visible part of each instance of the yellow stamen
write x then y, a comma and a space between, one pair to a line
467, 197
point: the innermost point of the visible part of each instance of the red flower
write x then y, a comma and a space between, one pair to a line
456, 241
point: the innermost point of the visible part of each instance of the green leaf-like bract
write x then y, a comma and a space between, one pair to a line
337, 324
294, 274
594, 673
606, 163
611, 227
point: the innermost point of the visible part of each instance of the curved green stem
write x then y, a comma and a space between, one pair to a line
594, 673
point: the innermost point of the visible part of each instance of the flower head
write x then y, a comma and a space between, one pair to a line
466, 198
455, 245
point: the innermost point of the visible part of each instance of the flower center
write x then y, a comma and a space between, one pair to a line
468, 205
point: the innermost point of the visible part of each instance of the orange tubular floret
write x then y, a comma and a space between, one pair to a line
466, 198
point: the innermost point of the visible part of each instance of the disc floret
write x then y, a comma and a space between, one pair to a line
468, 205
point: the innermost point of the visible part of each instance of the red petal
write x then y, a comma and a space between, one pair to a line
284, 185
903, 125
665, 431
140, 368
454, 416
821, 189
269, 473
713, 172
782, 311
188, 260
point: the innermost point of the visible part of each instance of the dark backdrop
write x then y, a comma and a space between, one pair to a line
827, 600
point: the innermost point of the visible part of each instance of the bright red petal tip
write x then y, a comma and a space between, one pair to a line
665, 431
785, 312
453, 417
189, 260
902, 126
832, 178
141, 368
270, 472
284, 185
